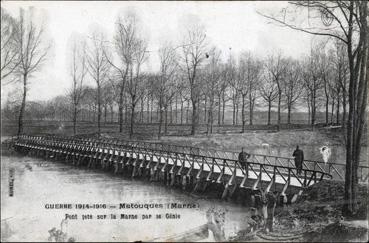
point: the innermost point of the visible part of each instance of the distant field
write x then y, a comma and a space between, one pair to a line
141, 130
227, 137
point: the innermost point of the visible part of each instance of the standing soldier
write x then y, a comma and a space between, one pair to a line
298, 154
242, 159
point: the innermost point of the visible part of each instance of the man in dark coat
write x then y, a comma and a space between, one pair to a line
298, 154
242, 159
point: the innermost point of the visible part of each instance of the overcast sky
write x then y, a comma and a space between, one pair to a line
234, 25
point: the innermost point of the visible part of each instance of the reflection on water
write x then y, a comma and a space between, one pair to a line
38, 182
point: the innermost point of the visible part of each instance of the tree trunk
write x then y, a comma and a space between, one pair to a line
344, 105
205, 109
326, 111
251, 108
152, 108
182, 111
99, 109
111, 113
210, 115
309, 110
194, 117
132, 118
105, 112
89, 113
279, 108
148, 109
338, 110
357, 107
188, 108
120, 110
157, 114
223, 110
243, 114
166, 120
160, 119
219, 114
171, 112
176, 110
289, 106
142, 110
269, 110
350, 190
313, 107
234, 110
23, 106
126, 113
74, 119
332, 109
237, 112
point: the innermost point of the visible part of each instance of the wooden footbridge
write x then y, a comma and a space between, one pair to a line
191, 168
188, 167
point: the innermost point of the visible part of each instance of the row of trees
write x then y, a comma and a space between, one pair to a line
193, 72
242, 85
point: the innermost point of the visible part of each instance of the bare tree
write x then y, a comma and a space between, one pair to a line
107, 99
312, 78
9, 54
247, 80
212, 81
327, 78
268, 91
182, 92
32, 48
340, 63
165, 83
136, 81
276, 66
125, 39
224, 83
292, 85
254, 68
114, 94
194, 53
233, 76
345, 21
78, 71
98, 67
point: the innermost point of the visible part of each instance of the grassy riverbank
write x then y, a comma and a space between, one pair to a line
317, 217
283, 138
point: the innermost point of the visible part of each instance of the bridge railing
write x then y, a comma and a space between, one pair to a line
335, 169
221, 165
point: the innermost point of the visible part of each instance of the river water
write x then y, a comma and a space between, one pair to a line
36, 183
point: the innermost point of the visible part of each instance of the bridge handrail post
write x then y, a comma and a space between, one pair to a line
202, 163
212, 164
224, 164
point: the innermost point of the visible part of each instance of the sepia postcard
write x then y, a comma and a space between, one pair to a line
184, 121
